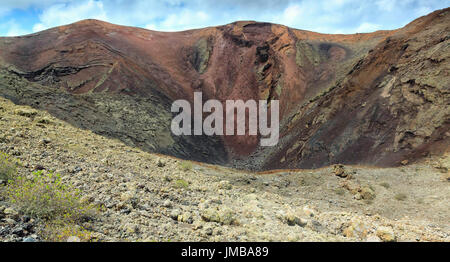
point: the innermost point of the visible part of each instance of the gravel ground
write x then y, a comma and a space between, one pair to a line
149, 197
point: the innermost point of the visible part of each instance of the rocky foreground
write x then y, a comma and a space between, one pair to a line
149, 197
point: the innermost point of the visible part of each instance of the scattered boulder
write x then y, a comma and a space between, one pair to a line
309, 211
386, 234
161, 163
367, 193
9, 221
131, 228
29, 239
373, 238
359, 192
46, 141
175, 213
11, 213
224, 184
224, 216
293, 220
77, 169
126, 197
356, 229
39, 167
73, 239
167, 203
18, 231
316, 225
208, 230
446, 177
340, 171
185, 218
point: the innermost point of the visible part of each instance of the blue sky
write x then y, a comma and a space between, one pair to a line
19, 17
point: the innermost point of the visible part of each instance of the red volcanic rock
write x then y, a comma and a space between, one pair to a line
343, 98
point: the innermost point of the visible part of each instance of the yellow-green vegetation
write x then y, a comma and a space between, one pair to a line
58, 205
60, 231
400, 196
385, 185
45, 196
202, 53
368, 192
181, 183
7, 167
44, 120
339, 191
307, 53
186, 165
76, 148
26, 112
279, 87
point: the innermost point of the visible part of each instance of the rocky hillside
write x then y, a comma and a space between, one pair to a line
141, 196
359, 99
391, 107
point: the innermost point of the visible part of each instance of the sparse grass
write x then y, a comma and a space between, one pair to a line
60, 231
368, 201
339, 191
186, 166
46, 197
400, 197
385, 185
181, 183
26, 112
368, 192
303, 182
7, 167
203, 51
44, 120
371, 187
77, 148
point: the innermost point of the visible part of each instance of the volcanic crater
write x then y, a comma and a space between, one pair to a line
368, 99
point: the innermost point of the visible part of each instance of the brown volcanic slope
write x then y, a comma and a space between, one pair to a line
365, 98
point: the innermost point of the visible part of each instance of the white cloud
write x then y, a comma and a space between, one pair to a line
61, 14
184, 20
423, 10
3, 11
12, 28
386, 5
151, 27
367, 28
331, 16
39, 27
291, 14
13, 4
